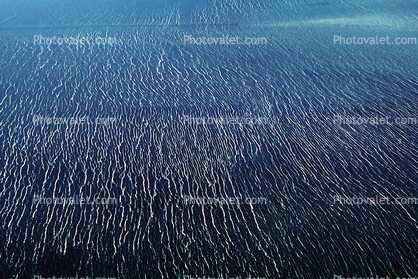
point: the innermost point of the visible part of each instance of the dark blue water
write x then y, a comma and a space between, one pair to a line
112, 119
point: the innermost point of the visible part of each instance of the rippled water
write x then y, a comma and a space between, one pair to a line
136, 145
